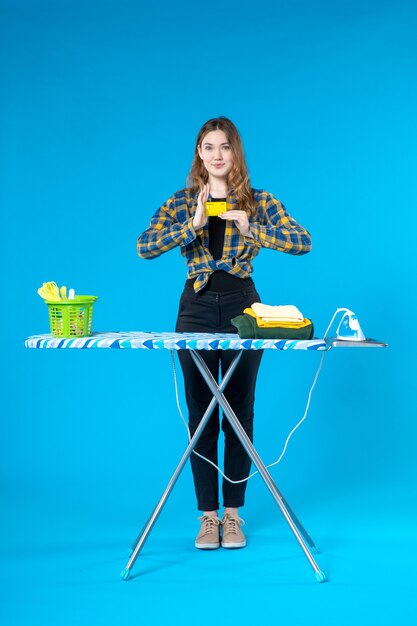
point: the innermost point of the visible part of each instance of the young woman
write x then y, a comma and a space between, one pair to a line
219, 252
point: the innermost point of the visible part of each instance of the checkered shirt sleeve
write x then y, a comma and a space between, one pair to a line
165, 232
274, 228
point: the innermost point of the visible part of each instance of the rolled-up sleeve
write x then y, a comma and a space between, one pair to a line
165, 232
274, 228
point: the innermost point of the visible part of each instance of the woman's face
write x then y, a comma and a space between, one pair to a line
216, 153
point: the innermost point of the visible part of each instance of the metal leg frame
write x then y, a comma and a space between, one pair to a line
299, 531
256, 459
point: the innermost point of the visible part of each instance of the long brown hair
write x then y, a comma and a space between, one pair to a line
238, 178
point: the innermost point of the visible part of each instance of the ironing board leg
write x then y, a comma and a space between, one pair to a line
143, 535
250, 449
299, 525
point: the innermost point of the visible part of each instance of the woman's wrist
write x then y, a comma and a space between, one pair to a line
197, 224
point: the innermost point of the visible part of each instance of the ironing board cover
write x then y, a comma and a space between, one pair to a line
173, 341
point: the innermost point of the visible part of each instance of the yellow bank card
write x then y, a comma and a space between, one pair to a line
215, 208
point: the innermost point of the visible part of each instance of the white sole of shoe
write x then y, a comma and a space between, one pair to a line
207, 546
242, 544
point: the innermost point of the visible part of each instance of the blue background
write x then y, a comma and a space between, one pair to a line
101, 103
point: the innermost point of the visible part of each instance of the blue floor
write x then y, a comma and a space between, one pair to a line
61, 562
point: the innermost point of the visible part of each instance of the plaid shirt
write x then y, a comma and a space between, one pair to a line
272, 227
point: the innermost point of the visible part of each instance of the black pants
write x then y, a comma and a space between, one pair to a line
211, 312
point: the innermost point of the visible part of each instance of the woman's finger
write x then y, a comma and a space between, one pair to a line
233, 215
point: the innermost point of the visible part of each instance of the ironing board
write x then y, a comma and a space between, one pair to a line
195, 342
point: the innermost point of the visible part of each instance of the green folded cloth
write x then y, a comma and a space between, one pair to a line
248, 329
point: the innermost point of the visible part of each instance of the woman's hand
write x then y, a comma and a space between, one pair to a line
240, 218
200, 217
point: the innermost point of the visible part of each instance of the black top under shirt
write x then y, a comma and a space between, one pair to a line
220, 280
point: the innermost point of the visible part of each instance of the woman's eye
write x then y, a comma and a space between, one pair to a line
226, 147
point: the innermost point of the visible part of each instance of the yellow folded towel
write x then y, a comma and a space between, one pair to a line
260, 321
283, 313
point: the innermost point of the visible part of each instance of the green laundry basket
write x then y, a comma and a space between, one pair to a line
71, 318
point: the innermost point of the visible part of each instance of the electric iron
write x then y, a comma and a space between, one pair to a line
349, 333
349, 328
